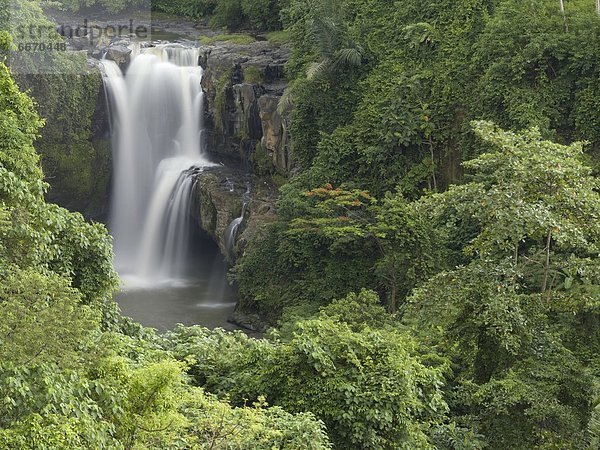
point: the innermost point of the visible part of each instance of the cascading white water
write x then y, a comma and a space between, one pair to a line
156, 117
232, 229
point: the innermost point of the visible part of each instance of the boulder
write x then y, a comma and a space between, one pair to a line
120, 54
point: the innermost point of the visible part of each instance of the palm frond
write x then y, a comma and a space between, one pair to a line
349, 57
594, 429
286, 101
318, 69
324, 33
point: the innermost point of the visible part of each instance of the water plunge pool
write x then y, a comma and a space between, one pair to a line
204, 297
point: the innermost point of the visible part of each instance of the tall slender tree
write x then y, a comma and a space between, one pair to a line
562, 11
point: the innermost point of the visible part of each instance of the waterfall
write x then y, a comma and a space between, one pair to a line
156, 114
233, 227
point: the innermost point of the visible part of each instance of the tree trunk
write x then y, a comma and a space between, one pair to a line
562, 11
392, 307
547, 262
430, 143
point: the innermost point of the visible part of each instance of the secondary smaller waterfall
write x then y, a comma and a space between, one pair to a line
233, 227
156, 117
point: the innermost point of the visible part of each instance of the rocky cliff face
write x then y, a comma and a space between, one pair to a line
75, 143
219, 194
244, 84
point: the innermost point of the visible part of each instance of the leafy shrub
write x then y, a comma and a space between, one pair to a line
228, 13
262, 14
195, 9
369, 386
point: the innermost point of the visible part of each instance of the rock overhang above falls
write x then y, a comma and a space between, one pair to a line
265, 57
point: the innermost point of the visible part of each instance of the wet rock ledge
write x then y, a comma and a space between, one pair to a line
219, 193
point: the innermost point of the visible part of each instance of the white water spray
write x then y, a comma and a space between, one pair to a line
156, 117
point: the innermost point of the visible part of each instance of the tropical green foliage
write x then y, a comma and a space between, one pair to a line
420, 301
257, 15
410, 76
325, 225
195, 9
75, 154
110, 6
530, 278
499, 274
349, 366
76, 161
